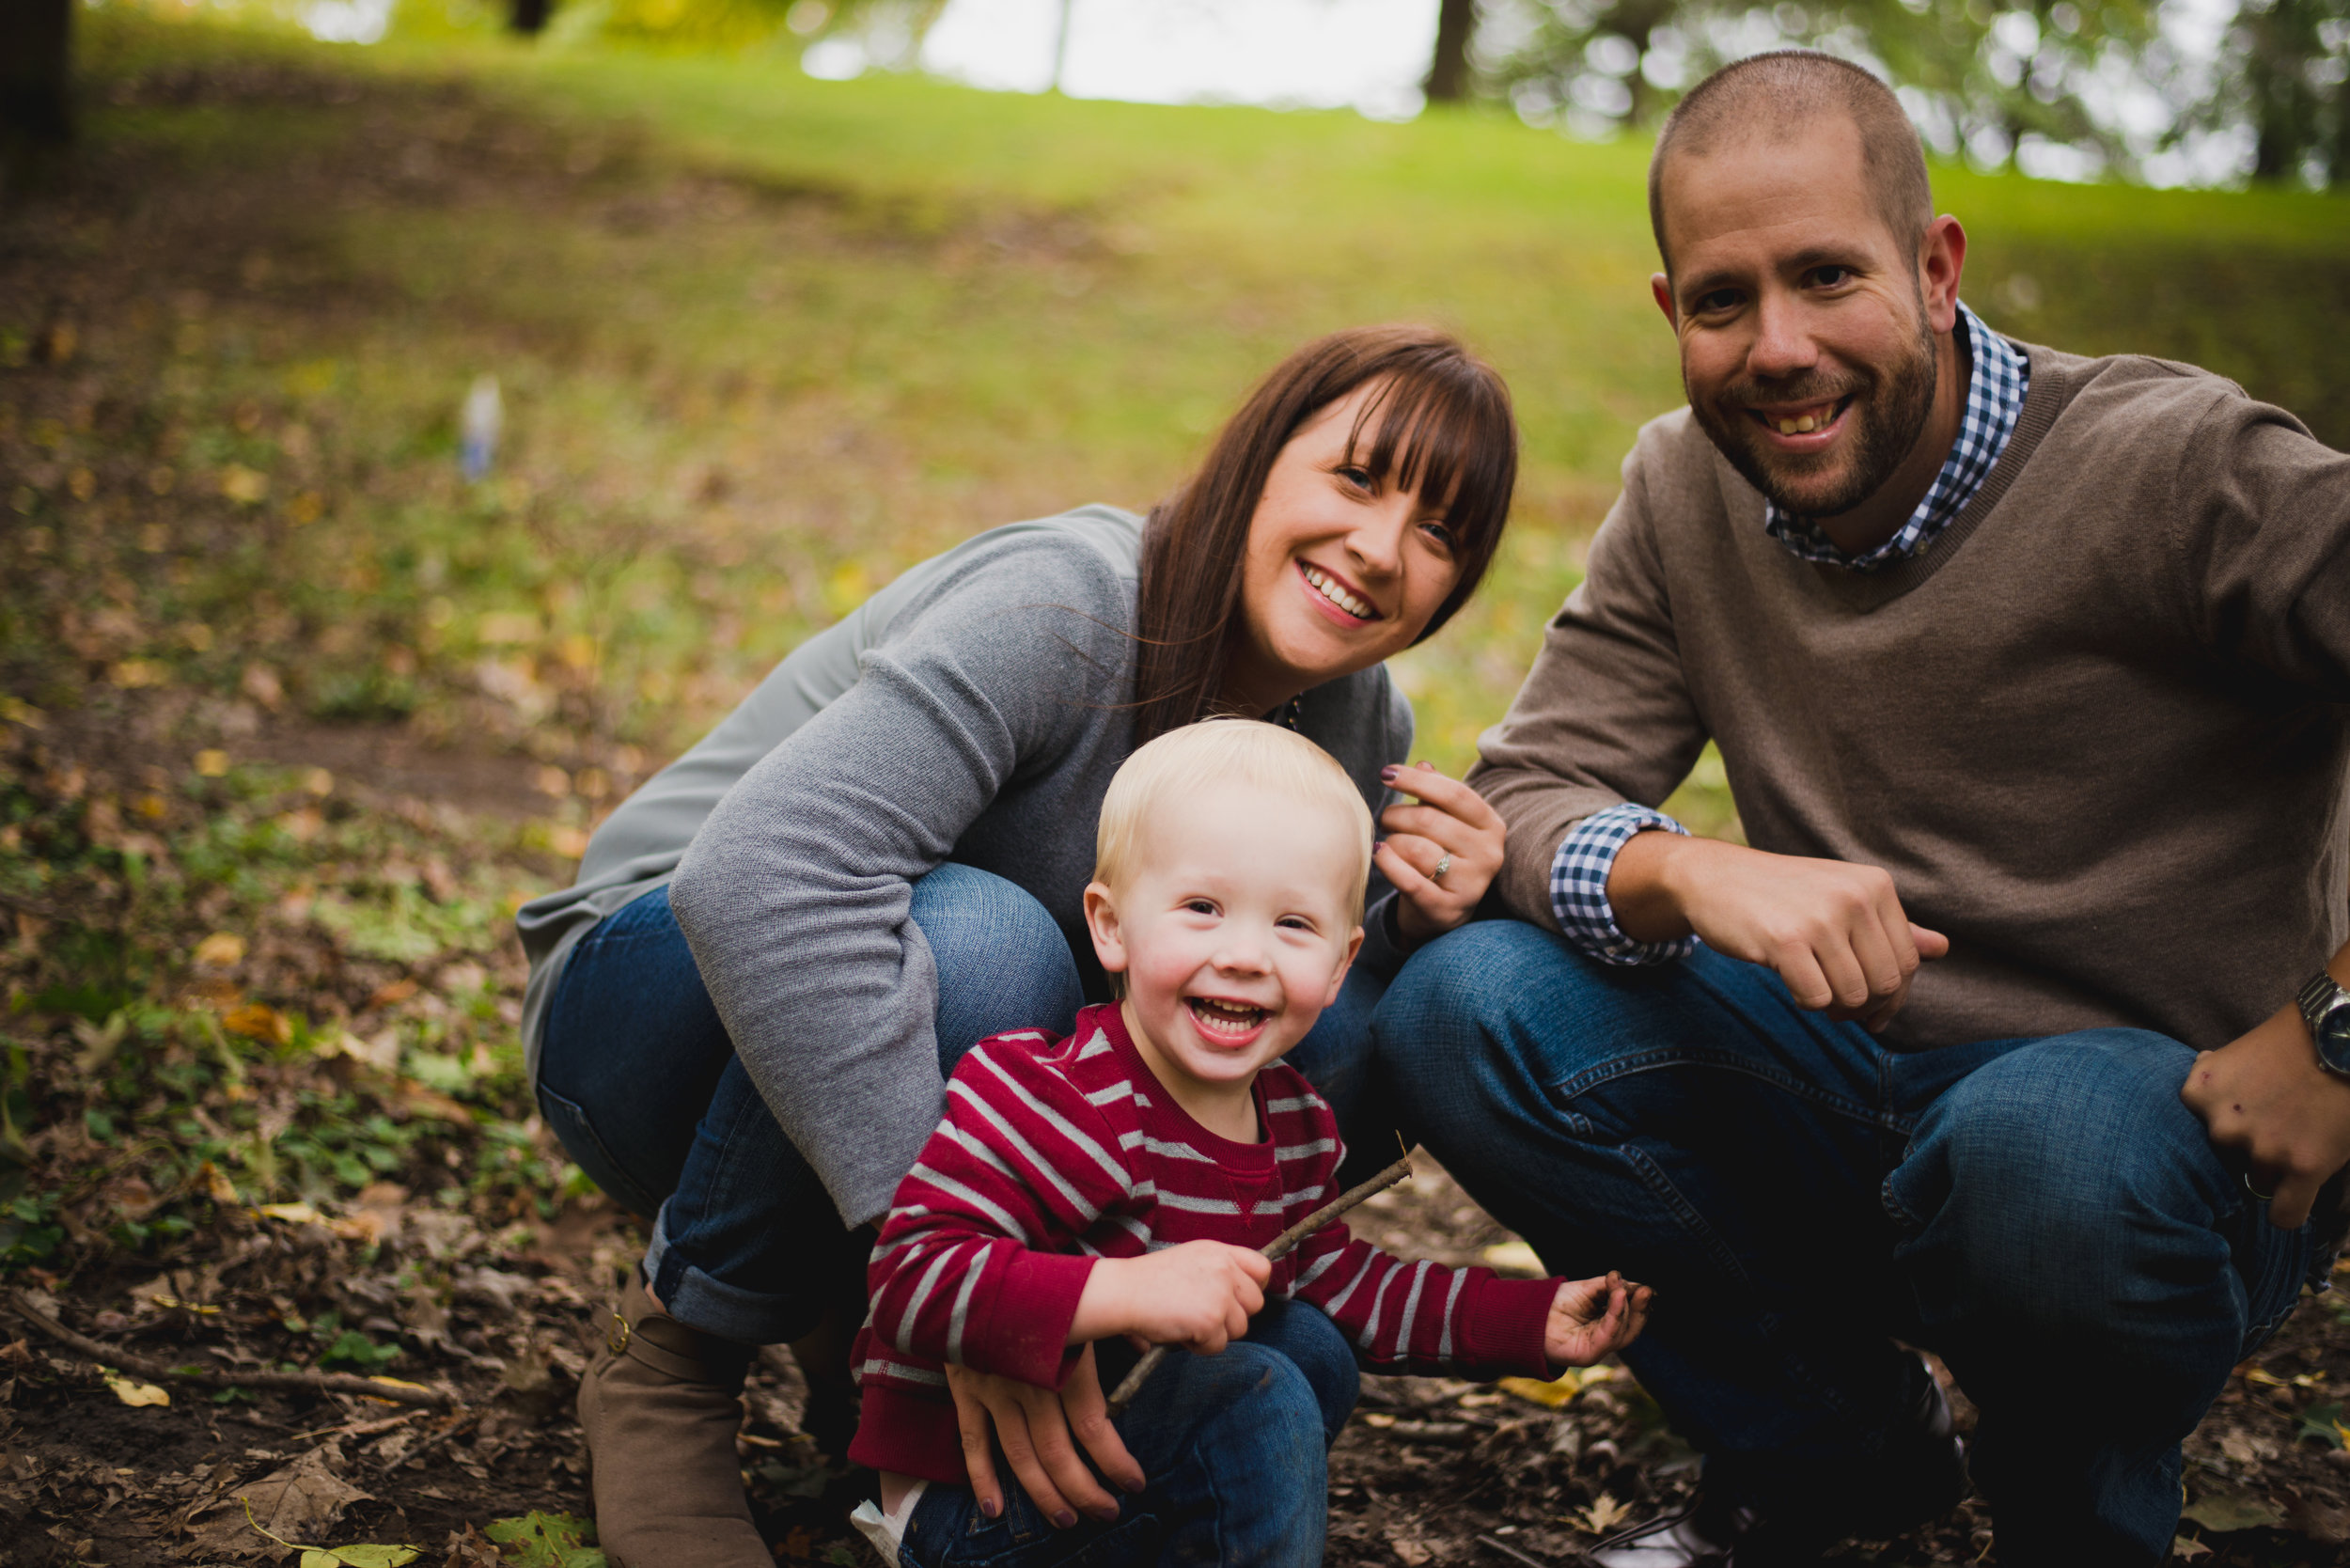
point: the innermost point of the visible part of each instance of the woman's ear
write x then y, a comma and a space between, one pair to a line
1102, 925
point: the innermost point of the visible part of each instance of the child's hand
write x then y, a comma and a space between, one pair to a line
1592, 1319
1200, 1295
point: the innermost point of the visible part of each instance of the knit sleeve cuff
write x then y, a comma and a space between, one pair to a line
1503, 1325
1579, 886
1021, 1328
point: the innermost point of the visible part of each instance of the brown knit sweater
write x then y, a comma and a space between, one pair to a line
2095, 731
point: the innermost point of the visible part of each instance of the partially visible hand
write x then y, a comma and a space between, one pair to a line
1592, 1319
1200, 1295
2264, 1097
1033, 1426
1835, 932
1451, 819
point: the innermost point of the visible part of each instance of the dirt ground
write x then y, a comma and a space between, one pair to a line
260, 1108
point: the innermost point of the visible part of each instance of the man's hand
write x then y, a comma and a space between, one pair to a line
1835, 932
2264, 1097
1033, 1426
1592, 1319
1200, 1294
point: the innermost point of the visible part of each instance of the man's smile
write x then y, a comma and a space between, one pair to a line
1803, 427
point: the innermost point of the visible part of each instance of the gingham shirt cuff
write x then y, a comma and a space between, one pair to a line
1579, 886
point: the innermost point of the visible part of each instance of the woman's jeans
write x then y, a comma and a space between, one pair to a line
638, 1079
2044, 1214
1235, 1445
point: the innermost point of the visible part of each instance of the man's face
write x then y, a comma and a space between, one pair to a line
1807, 347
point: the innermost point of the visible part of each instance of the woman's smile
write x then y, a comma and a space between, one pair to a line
1347, 606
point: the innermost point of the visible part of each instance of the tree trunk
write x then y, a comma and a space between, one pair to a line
529, 17
1448, 72
36, 72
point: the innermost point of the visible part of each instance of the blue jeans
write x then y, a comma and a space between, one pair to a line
640, 1082
2044, 1214
1235, 1447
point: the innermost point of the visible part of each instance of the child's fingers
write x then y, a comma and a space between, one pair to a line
1253, 1263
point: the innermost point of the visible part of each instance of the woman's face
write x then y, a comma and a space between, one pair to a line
1342, 571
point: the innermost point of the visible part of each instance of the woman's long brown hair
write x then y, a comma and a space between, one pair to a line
1443, 426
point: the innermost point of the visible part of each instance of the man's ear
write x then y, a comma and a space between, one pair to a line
1109, 946
1941, 256
1662, 287
1337, 979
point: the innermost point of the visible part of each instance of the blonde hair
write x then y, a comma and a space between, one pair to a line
1247, 751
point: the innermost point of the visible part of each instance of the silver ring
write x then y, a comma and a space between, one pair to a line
1444, 864
2256, 1192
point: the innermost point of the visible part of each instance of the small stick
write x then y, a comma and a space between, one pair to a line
315, 1382
1278, 1249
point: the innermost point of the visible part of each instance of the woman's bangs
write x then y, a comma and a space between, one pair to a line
1441, 432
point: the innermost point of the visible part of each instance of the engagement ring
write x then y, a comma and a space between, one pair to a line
1443, 865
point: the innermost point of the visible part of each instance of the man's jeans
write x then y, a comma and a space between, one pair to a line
639, 1080
2043, 1214
1234, 1446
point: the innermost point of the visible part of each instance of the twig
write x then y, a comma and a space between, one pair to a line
313, 1382
455, 1425
1278, 1249
1528, 1558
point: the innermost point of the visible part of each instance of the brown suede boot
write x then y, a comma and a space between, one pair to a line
661, 1404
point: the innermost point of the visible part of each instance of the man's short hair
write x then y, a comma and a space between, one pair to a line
1248, 751
1780, 94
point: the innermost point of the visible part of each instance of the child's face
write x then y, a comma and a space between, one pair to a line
1232, 930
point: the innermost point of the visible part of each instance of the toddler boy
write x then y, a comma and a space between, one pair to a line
1117, 1183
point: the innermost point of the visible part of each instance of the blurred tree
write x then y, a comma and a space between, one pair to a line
1982, 78
529, 17
2286, 74
1448, 72
35, 70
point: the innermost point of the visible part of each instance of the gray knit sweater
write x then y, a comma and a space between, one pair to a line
971, 711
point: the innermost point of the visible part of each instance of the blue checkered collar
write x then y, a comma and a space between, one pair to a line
1994, 398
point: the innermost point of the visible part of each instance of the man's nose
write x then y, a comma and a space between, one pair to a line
1783, 340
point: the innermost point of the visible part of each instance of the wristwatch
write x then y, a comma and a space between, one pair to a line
2326, 1006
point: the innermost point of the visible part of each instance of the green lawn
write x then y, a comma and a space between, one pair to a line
765, 339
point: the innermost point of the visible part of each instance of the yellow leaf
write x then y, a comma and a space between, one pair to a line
399, 1383
293, 1213
216, 1186
130, 674
211, 763
240, 483
2344, 1433
1559, 1391
14, 710
1604, 1515
2266, 1379
134, 1393
221, 950
257, 1021
1513, 1256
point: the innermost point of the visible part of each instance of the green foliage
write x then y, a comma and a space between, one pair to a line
537, 1540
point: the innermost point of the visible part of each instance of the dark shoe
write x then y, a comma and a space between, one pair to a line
660, 1404
1922, 1478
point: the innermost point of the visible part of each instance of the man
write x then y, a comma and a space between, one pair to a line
2027, 672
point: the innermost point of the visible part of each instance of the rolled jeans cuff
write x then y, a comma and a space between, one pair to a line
714, 1306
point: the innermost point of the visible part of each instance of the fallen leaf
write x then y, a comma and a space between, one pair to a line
136, 1394
2317, 1520
217, 1187
1602, 1515
260, 1021
296, 1503
243, 484
1558, 1390
212, 762
293, 1213
1513, 1256
548, 1541
2188, 1548
1408, 1551
220, 950
2224, 1512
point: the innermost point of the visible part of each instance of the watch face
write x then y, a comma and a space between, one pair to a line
2333, 1037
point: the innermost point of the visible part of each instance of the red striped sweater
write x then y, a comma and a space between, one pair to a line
1055, 1152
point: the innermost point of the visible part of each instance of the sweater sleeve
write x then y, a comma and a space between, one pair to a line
1605, 715
1423, 1317
2264, 544
794, 895
977, 1263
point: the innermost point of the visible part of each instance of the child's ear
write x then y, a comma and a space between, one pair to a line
1337, 978
1109, 946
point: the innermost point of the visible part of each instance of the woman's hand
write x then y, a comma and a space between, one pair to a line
1592, 1319
1033, 1427
1451, 819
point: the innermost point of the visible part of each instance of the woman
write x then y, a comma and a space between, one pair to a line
739, 1017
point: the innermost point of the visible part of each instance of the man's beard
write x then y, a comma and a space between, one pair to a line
1888, 413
